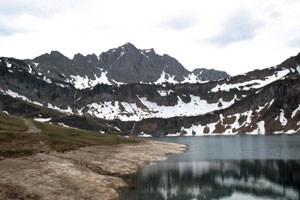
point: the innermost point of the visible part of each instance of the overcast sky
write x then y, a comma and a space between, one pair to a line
233, 35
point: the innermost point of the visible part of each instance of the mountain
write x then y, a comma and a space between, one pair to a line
258, 102
125, 64
209, 74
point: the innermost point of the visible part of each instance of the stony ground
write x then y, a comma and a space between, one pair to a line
87, 173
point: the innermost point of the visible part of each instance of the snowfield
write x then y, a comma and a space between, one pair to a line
253, 84
18, 96
198, 130
133, 111
84, 82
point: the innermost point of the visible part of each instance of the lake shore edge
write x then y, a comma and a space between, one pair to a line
93, 172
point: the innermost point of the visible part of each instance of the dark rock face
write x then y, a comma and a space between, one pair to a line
210, 74
128, 64
57, 66
125, 64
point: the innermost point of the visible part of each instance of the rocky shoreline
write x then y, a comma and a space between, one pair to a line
93, 172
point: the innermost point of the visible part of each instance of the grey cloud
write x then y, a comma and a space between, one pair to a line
39, 8
294, 1
294, 43
7, 30
275, 15
241, 26
179, 22
17, 7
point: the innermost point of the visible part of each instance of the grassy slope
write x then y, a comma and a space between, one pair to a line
15, 141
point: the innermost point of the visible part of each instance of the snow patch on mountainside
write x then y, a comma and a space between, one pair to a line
165, 78
47, 80
31, 71
165, 92
253, 84
8, 64
282, 118
24, 98
85, 82
131, 111
143, 52
295, 112
18, 96
240, 120
260, 129
192, 78
298, 69
61, 85
42, 119
68, 110
62, 124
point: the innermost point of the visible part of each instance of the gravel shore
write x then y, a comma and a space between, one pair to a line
87, 173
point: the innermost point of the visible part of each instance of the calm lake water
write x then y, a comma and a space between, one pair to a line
229, 167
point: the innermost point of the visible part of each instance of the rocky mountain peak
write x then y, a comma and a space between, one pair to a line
130, 50
291, 62
128, 46
298, 59
78, 56
124, 64
53, 57
56, 54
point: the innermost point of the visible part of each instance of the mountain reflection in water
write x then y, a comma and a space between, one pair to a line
254, 179
237, 167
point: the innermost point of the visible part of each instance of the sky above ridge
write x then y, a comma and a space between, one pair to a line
234, 36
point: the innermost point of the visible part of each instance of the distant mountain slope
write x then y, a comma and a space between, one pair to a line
261, 101
209, 74
125, 64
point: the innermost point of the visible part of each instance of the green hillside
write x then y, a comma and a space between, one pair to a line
21, 137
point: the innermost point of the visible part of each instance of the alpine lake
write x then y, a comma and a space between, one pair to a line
242, 167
